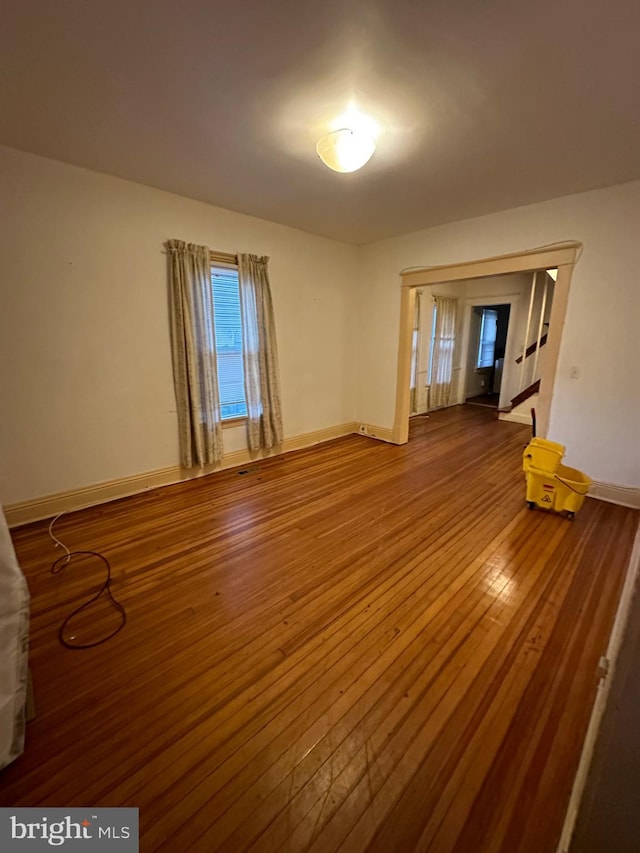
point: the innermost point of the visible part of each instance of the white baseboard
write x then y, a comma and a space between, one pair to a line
516, 417
68, 501
50, 505
604, 687
381, 433
622, 495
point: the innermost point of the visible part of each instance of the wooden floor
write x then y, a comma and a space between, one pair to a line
489, 399
353, 647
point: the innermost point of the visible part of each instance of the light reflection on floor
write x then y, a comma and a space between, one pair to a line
500, 582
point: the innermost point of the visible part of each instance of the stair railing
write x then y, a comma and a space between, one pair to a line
540, 324
526, 334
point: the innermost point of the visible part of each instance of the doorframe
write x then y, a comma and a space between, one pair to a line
562, 256
514, 301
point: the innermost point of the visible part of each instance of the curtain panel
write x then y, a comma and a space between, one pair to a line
195, 372
442, 391
262, 382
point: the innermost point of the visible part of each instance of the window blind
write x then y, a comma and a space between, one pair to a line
228, 329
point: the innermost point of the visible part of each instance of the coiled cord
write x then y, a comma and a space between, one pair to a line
56, 568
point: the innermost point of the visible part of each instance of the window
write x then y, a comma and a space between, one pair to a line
228, 329
432, 343
487, 338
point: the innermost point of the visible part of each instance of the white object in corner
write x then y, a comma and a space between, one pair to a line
14, 643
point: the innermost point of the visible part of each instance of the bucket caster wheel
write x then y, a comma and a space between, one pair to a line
571, 516
531, 504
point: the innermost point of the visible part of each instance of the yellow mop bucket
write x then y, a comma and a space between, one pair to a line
551, 485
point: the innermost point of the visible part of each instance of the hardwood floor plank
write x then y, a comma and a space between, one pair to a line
434, 726
400, 636
353, 647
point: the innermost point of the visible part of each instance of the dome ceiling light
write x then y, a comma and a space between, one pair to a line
346, 150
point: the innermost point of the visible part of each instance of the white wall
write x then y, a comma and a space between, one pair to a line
597, 415
86, 388
86, 383
471, 381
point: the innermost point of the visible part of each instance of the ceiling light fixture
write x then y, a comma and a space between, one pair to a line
345, 150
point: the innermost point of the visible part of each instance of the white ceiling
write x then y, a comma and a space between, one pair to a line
482, 104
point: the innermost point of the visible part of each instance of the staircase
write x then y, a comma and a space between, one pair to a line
526, 394
532, 348
521, 404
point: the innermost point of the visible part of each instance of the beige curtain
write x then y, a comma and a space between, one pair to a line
195, 372
261, 378
442, 391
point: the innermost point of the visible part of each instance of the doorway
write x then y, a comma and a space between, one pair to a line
488, 330
561, 256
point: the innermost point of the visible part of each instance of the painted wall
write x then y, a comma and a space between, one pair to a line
596, 415
86, 385
475, 382
86, 389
